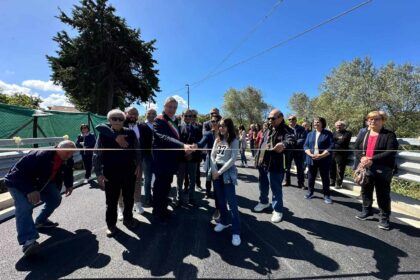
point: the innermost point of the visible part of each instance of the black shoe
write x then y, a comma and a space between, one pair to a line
364, 215
384, 224
332, 184
131, 224
302, 186
200, 189
46, 224
30, 248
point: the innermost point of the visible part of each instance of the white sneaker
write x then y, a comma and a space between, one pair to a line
120, 216
219, 227
277, 216
85, 181
236, 240
138, 208
260, 207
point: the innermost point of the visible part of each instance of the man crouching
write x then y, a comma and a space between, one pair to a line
36, 177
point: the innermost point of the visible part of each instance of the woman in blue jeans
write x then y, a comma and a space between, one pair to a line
224, 174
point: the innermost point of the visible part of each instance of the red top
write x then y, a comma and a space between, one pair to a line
370, 149
260, 136
56, 166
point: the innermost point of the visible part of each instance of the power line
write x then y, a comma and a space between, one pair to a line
245, 38
291, 38
273, 8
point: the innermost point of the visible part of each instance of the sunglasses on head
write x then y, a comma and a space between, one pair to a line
116, 119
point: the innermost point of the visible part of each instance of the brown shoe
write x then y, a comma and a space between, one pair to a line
286, 184
131, 224
110, 231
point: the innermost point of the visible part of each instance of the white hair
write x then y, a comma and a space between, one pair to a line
66, 144
170, 99
114, 113
340, 122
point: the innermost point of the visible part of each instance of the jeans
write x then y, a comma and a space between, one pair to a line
380, 179
324, 170
273, 180
189, 167
298, 157
226, 194
243, 157
25, 225
147, 171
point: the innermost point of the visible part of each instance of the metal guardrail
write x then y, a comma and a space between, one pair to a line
9, 158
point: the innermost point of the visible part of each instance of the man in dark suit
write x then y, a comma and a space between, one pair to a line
342, 139
189, 134
298, 155
146, 132
167, 153
207, 124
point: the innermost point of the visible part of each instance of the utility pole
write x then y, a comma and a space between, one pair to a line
188, 96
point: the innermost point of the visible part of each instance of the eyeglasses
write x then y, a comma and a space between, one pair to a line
115, 119
272, 118
214, 121
188, 116
375, 119
222, 126
292, 119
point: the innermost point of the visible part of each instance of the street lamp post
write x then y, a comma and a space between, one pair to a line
188, 96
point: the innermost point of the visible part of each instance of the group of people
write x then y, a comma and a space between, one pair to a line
164, 146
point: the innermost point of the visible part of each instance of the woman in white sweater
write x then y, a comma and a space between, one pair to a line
224, 174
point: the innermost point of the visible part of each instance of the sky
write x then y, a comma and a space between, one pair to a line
194, 36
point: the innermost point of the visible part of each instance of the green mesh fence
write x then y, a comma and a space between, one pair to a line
29, 123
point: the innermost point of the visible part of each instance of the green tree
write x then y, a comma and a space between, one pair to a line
301, 105
246, 106
20, 99
106, 65
399, 87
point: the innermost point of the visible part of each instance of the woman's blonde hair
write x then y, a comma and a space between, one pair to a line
374, 114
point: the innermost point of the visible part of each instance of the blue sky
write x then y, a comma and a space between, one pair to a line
193, 36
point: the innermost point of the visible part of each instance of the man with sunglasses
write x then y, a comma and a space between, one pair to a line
270, 161
189, 134
298, 155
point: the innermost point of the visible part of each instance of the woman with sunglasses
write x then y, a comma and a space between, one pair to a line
224, 174
117, 170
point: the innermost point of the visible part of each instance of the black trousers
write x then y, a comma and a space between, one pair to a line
298, 157
324, 169
338, 167
161, 189
119, 181
87, 163
380, 180
197, 178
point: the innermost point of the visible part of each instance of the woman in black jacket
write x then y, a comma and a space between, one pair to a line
376, 150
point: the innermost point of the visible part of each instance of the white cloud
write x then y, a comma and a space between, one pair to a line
9, 89
42, 85
181, 101
55, 99
147, 106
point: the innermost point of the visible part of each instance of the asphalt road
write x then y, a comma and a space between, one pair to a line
314, 241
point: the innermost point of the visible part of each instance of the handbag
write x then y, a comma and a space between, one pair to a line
361, 174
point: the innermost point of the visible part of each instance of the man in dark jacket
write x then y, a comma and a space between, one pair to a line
36, 177
297, 154
270, 160
342, 139
167, 153
189, 134
146, 132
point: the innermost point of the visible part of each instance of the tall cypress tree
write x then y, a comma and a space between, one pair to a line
106, 65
